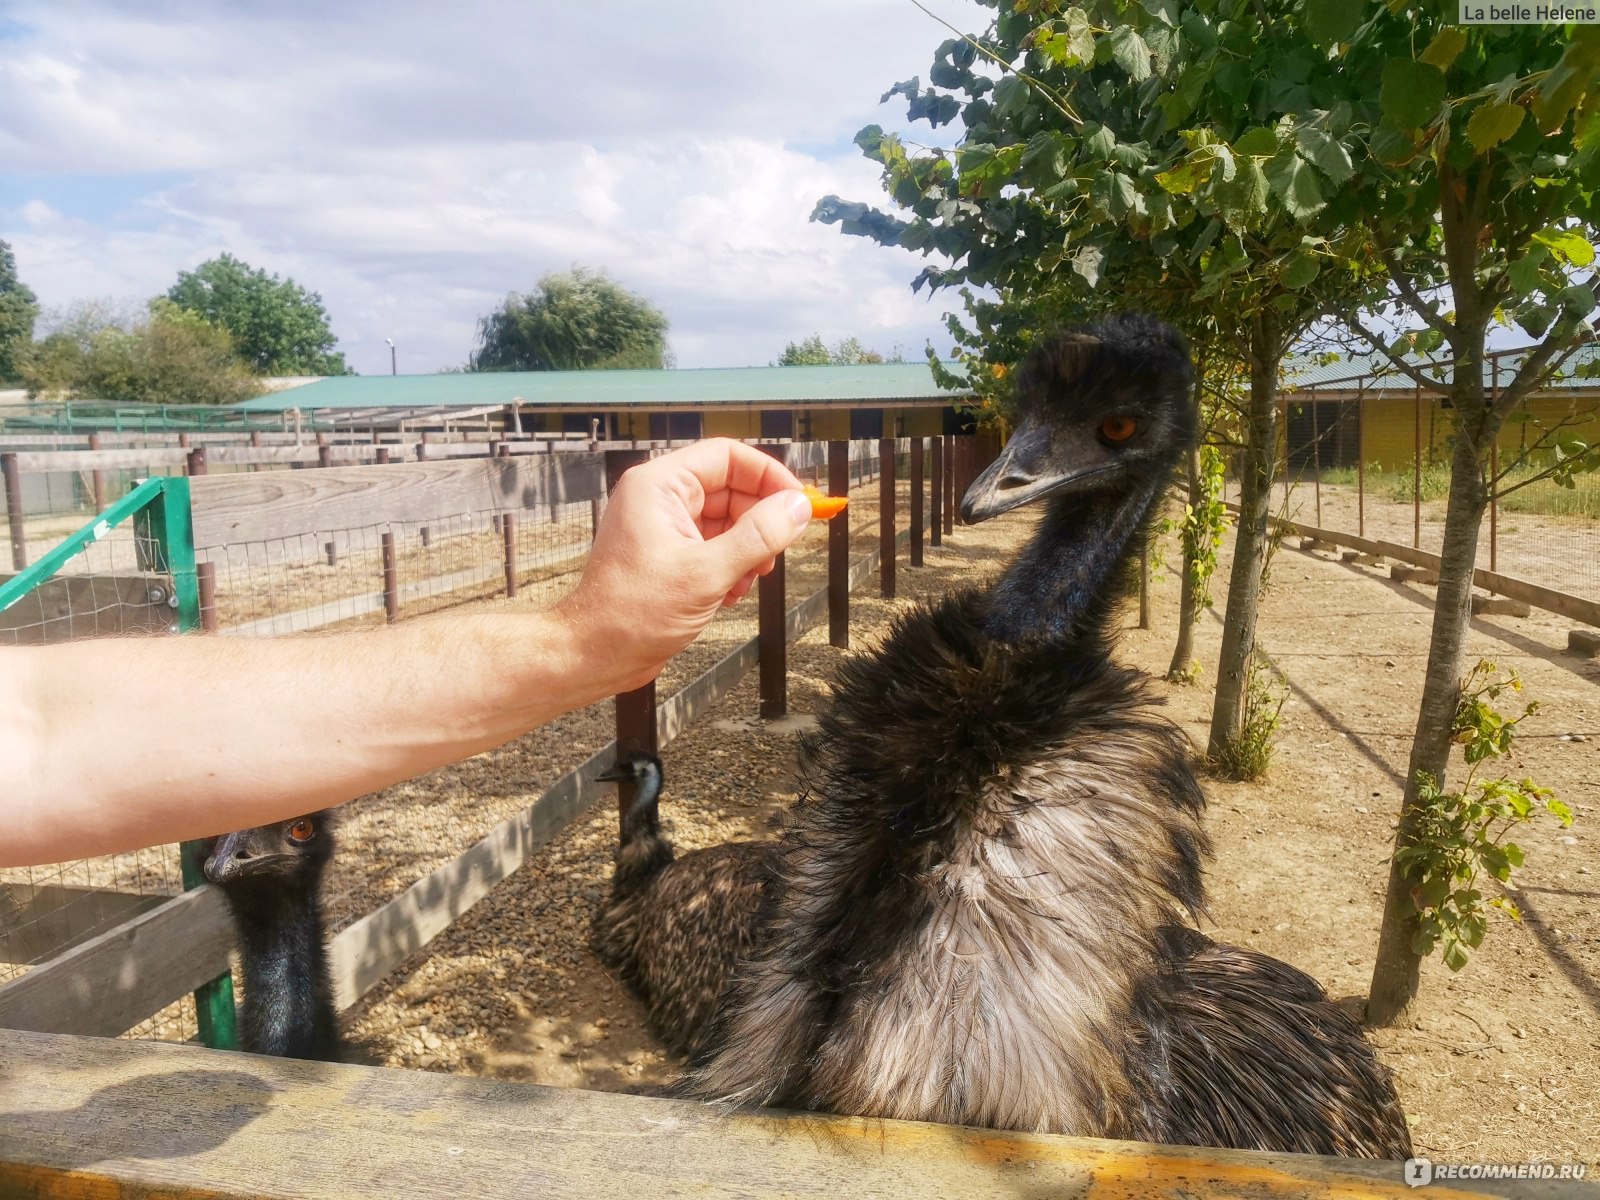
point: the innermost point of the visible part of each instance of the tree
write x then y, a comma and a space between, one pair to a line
168, 356
19, 308
572, 321
277, 326
813, 353
1157, 139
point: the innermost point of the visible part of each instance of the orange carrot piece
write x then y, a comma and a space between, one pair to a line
825, 507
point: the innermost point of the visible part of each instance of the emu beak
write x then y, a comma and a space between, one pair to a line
1030, 468
226, 862
613, 774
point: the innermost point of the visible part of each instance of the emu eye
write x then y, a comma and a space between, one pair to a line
302, 831
1118, 429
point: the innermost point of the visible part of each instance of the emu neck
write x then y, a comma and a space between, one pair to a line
287, 1008
643, 814
1066, 581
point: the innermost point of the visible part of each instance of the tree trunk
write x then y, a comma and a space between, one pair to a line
1183, 653
1396, 972
1251, 539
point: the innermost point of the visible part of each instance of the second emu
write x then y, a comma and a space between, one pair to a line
978, 910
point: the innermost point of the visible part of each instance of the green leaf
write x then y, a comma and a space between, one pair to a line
1491, 124
1332, 20
1392, 147
1011, 96
1568, 245
1189, 174
1295, 184
1446, 46
1087, 261
1244, 198
1080, 38
1299, 270
1332, 159
1411, 92
1262, 141
1045, 159
1524, 274
1130, 53
1098, 141
1455, 955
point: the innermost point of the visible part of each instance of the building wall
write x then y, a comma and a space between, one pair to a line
1389, 437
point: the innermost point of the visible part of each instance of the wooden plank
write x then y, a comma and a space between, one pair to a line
107, 985
1550, 599
886, 518
104, 460
233, 509
66, 607
44, 920
839, 548
91, 1117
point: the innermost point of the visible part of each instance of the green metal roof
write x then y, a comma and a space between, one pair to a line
1378, 374
875, 383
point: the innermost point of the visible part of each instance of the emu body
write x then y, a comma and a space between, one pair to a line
673, 928
271, 877
977, 909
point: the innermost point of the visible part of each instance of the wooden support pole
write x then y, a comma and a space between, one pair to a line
936, 492
331, 549
916, 502
636, 710
1144, 588
508, 529
19, 535
949, 456
205, 574
963, 444
1416, 468
383, 455
98, 477
771, 633
255, 444
1361, 465
839, 548
324, 451
1316, 457
391, 580
886, 515
195, 463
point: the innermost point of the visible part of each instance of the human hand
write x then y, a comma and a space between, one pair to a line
683, 535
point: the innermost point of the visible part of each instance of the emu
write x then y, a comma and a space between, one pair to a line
978, 908
271, 877
673, 927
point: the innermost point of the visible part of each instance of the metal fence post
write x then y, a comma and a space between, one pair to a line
772, 634
839, 548
508, 529
1316, 458
1416, 468
916, 502
886, 515
168, 524
1361, 464
1494, 469
391, 579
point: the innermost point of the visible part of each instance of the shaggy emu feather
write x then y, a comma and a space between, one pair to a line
271, 877
673, 928
977, 911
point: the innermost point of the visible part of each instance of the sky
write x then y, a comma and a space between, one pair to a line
415, 162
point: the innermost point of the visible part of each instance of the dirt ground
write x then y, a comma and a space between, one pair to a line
1501, 1061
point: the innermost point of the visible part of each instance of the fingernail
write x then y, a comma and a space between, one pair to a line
799, 507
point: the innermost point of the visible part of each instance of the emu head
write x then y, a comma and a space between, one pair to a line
293, 851
1103, 408
636, 768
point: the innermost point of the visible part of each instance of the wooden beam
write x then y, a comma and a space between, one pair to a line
233, 509
65, 607
916, 501
107, 985
886, 515
94, 1117
44, 920
839, 548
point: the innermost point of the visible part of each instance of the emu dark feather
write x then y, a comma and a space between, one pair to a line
977, 909
673, 928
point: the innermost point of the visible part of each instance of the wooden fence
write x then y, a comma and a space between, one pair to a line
108, 983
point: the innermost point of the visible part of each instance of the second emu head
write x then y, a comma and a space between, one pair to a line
284, 852
1103, 409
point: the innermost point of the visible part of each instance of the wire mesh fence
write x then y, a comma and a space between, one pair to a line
329, 572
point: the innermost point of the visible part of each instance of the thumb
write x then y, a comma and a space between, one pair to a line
764, 531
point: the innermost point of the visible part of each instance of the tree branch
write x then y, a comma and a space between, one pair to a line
1400, 364
1425, 309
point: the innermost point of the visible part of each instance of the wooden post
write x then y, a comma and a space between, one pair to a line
1144, 588
383, 455
205, 574
255, 444
422, 447
1361, 465
195, 463
772, 636
936, 492
950, 499
1494, 471
839, 548
324, 451
508, 528
961, 442
391, 580
98, 477
916, 502
1316, 458
636, 710
886, 515
597, 505
19, 535
331, 549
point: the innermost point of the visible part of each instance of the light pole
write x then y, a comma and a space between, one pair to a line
393, 368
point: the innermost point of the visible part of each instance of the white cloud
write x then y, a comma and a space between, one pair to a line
414, 165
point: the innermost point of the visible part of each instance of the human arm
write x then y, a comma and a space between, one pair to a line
115, 744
